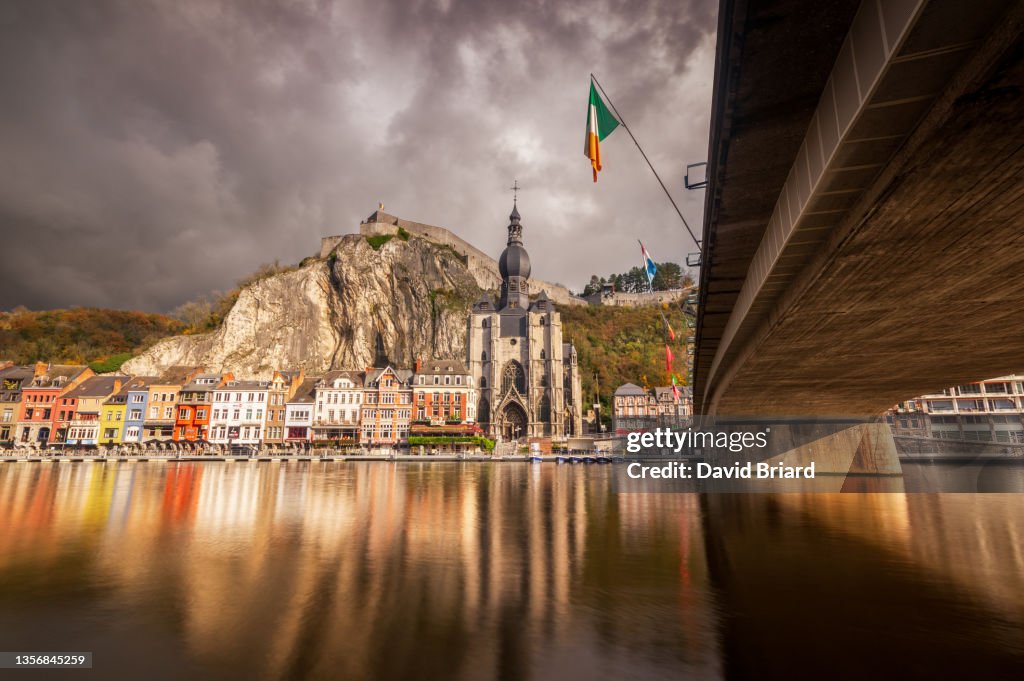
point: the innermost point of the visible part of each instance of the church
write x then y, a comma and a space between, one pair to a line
527, 378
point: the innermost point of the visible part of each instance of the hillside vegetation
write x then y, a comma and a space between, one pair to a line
623, 345
105, 339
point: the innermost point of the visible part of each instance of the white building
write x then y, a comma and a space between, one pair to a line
298, 415
238, 412
339, 396
986, 411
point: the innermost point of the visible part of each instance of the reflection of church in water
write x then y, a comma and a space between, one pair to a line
527, 379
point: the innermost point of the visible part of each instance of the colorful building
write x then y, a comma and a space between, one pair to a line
114, 412
298, 417
136, 402
444, 399
239, 412
87, 400
195, 403
162, 402
282, 387
336, 417
12, 380
43, 404
387, 406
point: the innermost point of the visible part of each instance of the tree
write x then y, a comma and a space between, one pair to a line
595, 285
668, 277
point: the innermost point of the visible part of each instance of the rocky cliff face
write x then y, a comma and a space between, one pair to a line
409, 298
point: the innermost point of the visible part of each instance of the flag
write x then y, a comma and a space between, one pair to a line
671, 333
675, 388
650, 269
668, 359
600, 123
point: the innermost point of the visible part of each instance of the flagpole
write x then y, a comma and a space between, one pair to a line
649, 165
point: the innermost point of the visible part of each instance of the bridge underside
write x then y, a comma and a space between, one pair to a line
903, 268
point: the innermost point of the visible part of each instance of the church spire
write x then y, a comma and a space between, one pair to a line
514, 266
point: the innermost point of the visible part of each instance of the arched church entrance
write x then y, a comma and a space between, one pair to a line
513, 422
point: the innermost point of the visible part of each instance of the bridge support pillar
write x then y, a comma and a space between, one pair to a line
860, 449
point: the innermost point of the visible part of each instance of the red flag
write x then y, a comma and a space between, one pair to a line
671, 333
668, 359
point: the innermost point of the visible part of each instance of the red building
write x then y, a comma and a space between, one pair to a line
43, 411
195, 402
444, 399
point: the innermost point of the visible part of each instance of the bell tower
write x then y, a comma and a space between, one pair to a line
514, 266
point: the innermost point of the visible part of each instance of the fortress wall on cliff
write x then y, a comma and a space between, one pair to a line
483, 266
618, 299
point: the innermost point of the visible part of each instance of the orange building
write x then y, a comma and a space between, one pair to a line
162, 402
195, 402
387, 406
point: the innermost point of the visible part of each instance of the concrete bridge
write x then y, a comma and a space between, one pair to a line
864, 222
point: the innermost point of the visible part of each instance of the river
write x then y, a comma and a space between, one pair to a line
384, 570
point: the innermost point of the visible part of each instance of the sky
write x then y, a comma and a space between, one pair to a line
152, 152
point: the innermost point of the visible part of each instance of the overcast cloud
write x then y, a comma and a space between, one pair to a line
154, 151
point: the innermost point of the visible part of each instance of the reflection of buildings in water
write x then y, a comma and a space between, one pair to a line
348, 566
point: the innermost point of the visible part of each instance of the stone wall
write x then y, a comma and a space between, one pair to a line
619, 299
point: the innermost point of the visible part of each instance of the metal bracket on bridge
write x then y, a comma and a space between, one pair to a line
693, 259
697, 184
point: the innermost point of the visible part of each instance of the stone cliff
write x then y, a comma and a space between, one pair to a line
408, 297
483, 267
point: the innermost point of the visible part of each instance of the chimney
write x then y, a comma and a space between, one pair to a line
417, 365
40, 369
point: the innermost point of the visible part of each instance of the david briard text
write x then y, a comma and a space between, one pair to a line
683, 470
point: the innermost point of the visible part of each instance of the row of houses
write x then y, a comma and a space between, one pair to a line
46, 405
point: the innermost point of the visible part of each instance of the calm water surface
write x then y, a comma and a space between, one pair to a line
497, 571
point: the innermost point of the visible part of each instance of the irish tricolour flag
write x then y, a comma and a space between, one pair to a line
600, 123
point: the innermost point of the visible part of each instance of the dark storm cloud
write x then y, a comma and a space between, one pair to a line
153, 151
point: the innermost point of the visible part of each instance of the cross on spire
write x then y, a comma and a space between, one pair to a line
515, 191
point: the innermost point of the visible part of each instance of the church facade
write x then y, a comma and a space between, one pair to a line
527, 378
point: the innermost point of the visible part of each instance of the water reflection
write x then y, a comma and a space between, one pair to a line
466, 571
